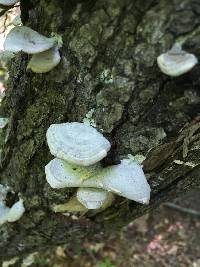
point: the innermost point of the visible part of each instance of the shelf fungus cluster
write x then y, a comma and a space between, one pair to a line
78, 149
45, 51
13, 213
176, 61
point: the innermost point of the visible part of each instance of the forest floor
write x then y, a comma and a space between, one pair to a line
164, 238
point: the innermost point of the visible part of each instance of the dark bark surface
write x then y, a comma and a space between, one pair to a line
109, 66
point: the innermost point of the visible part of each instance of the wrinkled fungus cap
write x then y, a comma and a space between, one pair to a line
77, 143
60, 174
22, 38
45, 61
176, 61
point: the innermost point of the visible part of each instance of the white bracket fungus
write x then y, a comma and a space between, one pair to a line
16, 211
78, 147
22, 38
8, 2
44, 61
9, 214
3, 214
125, 179
176, 61
46, 54
3, 122
93, 198
77, 143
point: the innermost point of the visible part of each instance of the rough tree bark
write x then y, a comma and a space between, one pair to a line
108, 65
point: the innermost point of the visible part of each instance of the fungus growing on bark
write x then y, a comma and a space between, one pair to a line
3, 208
125, 179
8, 2
93, 198
45, 61
73, 205
46, 54
3, 214
9, 214
3, 122
77, 143
176, 61
60, 174
22, 38
16, 211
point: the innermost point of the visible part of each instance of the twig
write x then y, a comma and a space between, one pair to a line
182, 209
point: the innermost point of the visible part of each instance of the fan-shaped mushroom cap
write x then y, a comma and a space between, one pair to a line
125, 179
22, 38
92, 198
77, 143
176, 62
8, 2
44, 61
60, 174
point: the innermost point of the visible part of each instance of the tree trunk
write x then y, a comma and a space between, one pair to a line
108, 67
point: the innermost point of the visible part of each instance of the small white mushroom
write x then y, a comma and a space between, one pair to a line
8, 2
16, 211
176, 61
22, 38
125, 179
9, 214
3, 122
3, 214
92, 198
3, 209
77, 143
44, 61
